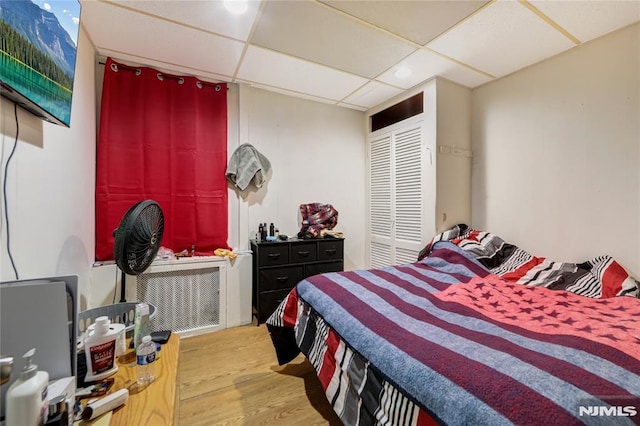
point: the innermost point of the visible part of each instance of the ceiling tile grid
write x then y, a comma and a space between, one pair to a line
307, 30
347, 52
417, 21
167, 42
296, 94
206, 15
590, 19
426, 64
501, 39
372, 94
272, 69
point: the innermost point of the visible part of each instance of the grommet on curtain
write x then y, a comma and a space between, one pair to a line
160, 77
199, 84
138, 71
218, 88
114, 67
180, 80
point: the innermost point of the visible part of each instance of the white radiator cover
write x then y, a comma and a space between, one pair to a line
189, 294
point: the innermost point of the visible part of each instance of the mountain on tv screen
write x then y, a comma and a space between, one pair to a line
38, 44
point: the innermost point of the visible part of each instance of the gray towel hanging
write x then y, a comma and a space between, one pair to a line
247, 165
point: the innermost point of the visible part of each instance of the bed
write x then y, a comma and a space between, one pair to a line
447, 341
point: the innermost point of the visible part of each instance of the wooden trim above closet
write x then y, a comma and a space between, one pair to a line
398, 112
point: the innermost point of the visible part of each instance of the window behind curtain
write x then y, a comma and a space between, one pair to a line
164, 138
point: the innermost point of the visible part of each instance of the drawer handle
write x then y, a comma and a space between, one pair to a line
304, 253
330, 251
282, 279
274, 255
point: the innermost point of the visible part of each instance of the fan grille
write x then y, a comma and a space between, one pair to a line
138, 237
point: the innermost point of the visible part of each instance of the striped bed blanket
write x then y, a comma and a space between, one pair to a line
445, 341
599, 277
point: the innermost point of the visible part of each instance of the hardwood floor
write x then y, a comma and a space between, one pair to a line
232, 377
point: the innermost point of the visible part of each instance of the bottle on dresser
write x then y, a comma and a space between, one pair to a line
145, 357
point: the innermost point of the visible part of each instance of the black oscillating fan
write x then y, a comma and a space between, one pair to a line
137, 239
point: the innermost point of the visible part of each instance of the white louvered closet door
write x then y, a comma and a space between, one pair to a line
408, 191
396, 196
380, 201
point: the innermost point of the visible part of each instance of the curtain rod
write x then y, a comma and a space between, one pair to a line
161, 75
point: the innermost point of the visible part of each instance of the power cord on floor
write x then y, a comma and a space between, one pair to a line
4, 191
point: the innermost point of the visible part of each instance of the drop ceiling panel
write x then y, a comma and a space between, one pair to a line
356, 107
294, 94
418, 21
149, 38
501, 38
318, 34
425, 64
372, 94
296, 75
587, 20
210, 16
346, 52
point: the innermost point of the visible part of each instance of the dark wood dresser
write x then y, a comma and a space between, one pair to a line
279, 266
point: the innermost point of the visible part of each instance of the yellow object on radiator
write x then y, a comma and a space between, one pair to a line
225, 253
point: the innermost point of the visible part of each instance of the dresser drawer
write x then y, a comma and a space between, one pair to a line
321, 268
280, 278
330, 250
279, 266
277, 254
301, 253
269, 301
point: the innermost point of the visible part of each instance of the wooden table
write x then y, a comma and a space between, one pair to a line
155, 403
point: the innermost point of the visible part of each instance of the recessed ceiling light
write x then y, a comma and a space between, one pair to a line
402, 72
237, 7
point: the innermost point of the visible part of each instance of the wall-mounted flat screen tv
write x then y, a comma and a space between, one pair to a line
38, 44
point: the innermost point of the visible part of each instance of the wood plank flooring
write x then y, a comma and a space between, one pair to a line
232, 377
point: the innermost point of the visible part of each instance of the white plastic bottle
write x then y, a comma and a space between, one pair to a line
145, 357
100, 350
27, 402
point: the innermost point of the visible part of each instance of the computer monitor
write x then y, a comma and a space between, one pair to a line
42, 314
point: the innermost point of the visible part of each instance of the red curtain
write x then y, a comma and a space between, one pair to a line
162, 137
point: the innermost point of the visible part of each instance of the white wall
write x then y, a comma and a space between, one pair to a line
453, 181
50, 186
317, 153
556, 165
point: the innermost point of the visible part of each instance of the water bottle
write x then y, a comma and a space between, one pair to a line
145, 356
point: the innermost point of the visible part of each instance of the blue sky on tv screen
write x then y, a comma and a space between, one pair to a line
67, 12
